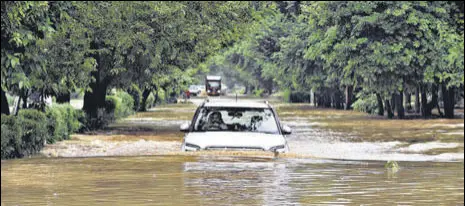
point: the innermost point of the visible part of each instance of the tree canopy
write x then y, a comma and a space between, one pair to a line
343, 53
350, 50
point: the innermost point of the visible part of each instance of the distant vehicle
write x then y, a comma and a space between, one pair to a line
213, 85
235, 126
202, 87
195, 90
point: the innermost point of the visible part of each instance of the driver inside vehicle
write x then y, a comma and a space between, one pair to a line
215, 122
255, 123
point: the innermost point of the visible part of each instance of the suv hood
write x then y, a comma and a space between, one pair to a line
235, 139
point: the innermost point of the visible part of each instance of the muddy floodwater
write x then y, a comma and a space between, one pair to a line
336, 158
179, 180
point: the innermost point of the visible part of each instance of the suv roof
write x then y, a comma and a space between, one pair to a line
232, 103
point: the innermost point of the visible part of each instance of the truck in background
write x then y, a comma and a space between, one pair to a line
213, 85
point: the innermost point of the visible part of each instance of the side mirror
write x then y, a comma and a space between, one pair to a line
185, 127
286, 130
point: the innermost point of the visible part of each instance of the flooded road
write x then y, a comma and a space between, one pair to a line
178, 180
337, 158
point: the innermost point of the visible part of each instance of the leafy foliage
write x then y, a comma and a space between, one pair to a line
63, 120
124, 105
34, 131
11, 137
336, 48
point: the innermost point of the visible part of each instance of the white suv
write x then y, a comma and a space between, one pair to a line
235, 126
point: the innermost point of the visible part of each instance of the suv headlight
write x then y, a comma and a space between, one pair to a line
191, 147
279, 147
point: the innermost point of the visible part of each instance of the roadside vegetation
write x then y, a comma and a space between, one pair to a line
145, 50
385, 58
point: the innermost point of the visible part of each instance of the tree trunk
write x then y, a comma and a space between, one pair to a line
24, 98
389, 109
408, 100
434, 99
251, 89
393, 102
314, 99
340, 100
417, 101
155, 99
448, 96
145, 95
18, 105
327, 101
95, 99
246, 89
63, 98
317, 100
348, 95
426, 106
332, 100
380, 105
5, 106
439, 110
399, 105
42, 104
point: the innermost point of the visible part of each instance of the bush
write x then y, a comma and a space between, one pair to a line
150, 101
63, 120
116, 106
366, 103
102, 119
56, 124
136, 94
161, 96
299, 97
11, 137
34, 131
287, 95
26, 133
125, 108
259, 92
111, 102
72, 118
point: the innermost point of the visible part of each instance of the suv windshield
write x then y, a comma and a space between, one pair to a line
236, 120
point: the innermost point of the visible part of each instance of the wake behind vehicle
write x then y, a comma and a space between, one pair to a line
235, 126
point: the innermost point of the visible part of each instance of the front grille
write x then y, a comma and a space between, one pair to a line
234, 148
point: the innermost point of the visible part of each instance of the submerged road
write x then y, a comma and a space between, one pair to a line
317, 133
337, 158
